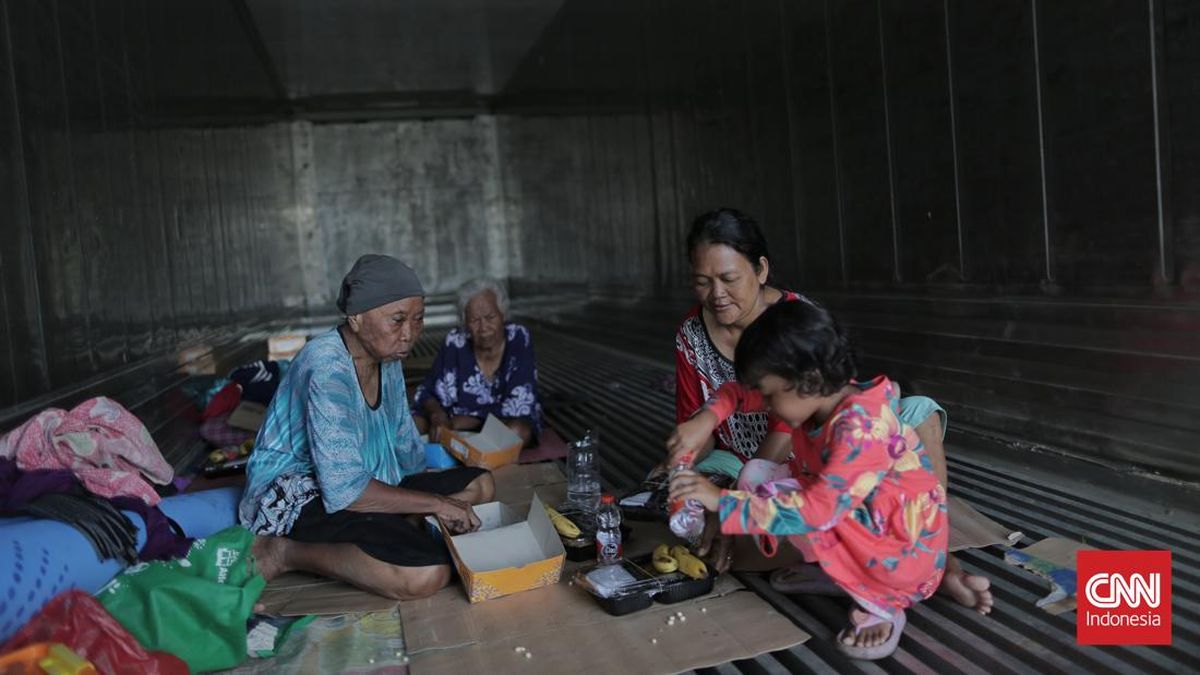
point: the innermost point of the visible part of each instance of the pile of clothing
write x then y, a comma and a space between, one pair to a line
83, 467
176, 604
234, 405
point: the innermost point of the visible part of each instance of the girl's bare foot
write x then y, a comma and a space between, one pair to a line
870, 636
969, 590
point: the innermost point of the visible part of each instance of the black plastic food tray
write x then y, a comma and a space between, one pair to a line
631, 602
673, 587
677, 586
226, 468
655, 508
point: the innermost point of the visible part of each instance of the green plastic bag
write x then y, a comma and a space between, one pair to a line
195, 607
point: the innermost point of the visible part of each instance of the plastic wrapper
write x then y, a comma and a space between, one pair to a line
79, 621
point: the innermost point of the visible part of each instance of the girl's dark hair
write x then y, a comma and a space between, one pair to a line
731, 228
800, 342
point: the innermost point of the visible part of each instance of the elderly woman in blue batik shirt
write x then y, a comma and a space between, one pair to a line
485, 367
337, 483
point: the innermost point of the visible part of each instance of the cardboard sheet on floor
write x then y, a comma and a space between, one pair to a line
296, 594
1052, 559
971, 529
565, 631
516, 483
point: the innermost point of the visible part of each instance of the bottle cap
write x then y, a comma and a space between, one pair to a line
608, 499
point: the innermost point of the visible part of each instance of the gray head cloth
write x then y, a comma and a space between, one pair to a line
377, 280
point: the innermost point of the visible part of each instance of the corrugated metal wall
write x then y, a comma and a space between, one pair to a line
124, 234
1022, 146
998, 197
119, 238
426, 191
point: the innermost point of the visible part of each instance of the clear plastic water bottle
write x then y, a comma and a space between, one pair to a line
687, 516
583, 473
608, 532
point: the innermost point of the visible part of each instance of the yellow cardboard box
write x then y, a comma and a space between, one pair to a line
515, 549
491, 447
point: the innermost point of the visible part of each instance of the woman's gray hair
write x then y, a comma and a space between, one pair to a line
472, 288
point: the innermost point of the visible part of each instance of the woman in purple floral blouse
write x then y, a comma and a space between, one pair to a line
485, 367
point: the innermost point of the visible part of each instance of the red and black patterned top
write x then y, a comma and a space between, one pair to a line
700, 370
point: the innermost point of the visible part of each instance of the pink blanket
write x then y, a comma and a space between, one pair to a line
102, 443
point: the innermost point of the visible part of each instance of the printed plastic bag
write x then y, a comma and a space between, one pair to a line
196, 607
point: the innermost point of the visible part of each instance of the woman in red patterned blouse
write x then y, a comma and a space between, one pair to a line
731, 277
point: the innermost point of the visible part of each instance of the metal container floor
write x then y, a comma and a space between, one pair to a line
628, 398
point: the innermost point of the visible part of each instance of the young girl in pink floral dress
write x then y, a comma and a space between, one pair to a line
862, 501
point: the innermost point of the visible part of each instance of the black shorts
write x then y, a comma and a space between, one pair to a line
390, 537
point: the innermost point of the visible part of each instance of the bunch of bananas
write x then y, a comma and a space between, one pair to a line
562, 523
678, 558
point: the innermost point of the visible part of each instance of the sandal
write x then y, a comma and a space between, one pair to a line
879, 651
805, 579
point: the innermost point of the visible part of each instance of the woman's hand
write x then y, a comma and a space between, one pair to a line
691, 485
438, 419
690, 437
458, 515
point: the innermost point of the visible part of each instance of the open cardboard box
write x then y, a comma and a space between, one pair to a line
515, 549
491, 447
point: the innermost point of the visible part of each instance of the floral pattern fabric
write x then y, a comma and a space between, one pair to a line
108, 449
457, 383
862, 499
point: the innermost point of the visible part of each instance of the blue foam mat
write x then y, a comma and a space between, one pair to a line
41, 558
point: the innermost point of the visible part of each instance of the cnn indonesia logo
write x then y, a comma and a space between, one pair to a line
1125, 598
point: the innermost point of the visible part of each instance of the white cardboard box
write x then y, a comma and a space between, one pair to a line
492, 447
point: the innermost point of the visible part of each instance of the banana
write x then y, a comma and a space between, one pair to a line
664, 562
688, 563
563, 524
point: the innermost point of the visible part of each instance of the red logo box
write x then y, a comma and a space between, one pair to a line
1124, 598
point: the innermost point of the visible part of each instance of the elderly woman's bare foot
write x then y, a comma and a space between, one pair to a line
268, 555
969, 590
